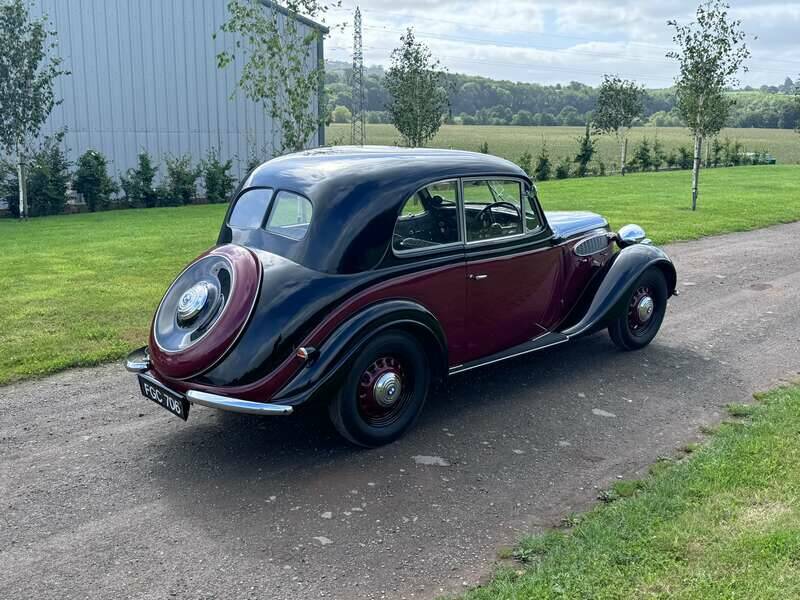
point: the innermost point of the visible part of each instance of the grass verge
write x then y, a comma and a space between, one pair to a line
81, 289
724, 523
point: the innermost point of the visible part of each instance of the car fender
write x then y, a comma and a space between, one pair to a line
328, 364
620, 274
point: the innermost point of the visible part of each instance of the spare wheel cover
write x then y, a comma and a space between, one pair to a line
204, 311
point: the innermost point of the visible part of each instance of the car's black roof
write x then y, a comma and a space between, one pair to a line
357, 193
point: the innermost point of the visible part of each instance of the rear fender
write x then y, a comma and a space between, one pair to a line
328, 364
625, 268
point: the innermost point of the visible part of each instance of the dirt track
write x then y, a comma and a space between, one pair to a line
105, 495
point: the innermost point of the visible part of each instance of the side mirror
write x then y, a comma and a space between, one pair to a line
629, 235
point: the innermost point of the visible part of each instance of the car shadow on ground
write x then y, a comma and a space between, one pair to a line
305, 443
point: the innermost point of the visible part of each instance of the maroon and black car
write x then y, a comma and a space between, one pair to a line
360, 276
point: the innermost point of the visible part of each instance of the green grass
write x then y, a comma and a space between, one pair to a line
723, 523
81, 289
511, 141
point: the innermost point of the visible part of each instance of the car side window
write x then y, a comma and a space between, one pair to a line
290, 215
429, 218
493, 208
250, 209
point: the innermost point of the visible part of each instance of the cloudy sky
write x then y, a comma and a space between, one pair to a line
549, 41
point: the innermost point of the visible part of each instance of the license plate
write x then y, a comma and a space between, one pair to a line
172, 401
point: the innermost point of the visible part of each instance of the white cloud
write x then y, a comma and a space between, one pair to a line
549, 41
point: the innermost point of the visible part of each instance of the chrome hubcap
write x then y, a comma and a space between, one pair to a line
387, 389
644, 309
193, 301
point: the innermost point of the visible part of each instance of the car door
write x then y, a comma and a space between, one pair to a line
512, 268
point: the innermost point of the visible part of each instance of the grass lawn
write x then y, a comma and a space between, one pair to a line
511, 141
81, 289
724, 523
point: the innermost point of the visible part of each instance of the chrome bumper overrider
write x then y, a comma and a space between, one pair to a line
138, 361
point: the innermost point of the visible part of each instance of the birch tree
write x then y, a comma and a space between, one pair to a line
711, 51
619, 103
28, 70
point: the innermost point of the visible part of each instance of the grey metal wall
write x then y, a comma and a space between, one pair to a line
144, 77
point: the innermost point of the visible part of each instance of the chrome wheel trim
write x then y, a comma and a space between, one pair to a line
387, 389
193, 301
645, 309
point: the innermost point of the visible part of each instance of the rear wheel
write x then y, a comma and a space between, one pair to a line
645, 307
384, 392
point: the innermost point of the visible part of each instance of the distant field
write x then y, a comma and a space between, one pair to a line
511, 141
81, 289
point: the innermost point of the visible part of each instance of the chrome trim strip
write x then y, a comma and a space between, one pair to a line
462, 369
236, 405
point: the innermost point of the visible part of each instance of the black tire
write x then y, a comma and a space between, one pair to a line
356, 411
628, 331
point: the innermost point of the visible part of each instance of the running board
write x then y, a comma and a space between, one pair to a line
540, 343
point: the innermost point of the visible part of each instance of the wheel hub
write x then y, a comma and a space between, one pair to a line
387, 389
383, 389
644, 309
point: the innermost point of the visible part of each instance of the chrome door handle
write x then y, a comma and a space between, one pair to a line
477, 277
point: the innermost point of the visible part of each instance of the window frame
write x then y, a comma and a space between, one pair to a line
459, 221
267, 208
271, 207
523, 186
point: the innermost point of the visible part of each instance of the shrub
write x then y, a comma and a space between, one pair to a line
137, 184
48, 178
484, 147
657, 154
642, 159
543, 166
525, 162
716, 152
9, 186
586, 150
217, 177
672, 160
181, 179
92, 180
685, 158
563, 168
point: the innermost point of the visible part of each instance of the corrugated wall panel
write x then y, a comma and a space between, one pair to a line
144, 78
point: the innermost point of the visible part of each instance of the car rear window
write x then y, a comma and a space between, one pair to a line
290, 215
250, 208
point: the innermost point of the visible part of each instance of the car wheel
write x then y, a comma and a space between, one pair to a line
384, 391
645, 306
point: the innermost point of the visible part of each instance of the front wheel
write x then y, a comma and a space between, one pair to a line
644, 312
384, 392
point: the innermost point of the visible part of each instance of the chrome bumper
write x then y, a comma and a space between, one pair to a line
138, 361
236, 405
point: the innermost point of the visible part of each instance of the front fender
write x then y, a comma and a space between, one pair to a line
329, 363
624, 269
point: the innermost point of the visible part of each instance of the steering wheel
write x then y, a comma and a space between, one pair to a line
487, 211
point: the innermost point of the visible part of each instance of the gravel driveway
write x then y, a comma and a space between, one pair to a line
105, 495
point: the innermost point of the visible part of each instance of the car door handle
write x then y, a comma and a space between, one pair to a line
477, 277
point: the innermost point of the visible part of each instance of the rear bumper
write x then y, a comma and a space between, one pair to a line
138, 361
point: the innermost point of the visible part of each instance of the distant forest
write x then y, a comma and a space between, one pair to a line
481, 101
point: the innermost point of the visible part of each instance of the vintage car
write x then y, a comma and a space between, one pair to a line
360, 276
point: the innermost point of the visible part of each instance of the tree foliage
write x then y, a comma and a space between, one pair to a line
48, 178
217, 177
541, 172
137, 184
93, 182
416, 86
586, 151
28, 68
181, 184
279, 71
619, 103
710, 52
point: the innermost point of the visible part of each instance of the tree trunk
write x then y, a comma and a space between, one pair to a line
624, 155
23, 188
698, 143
